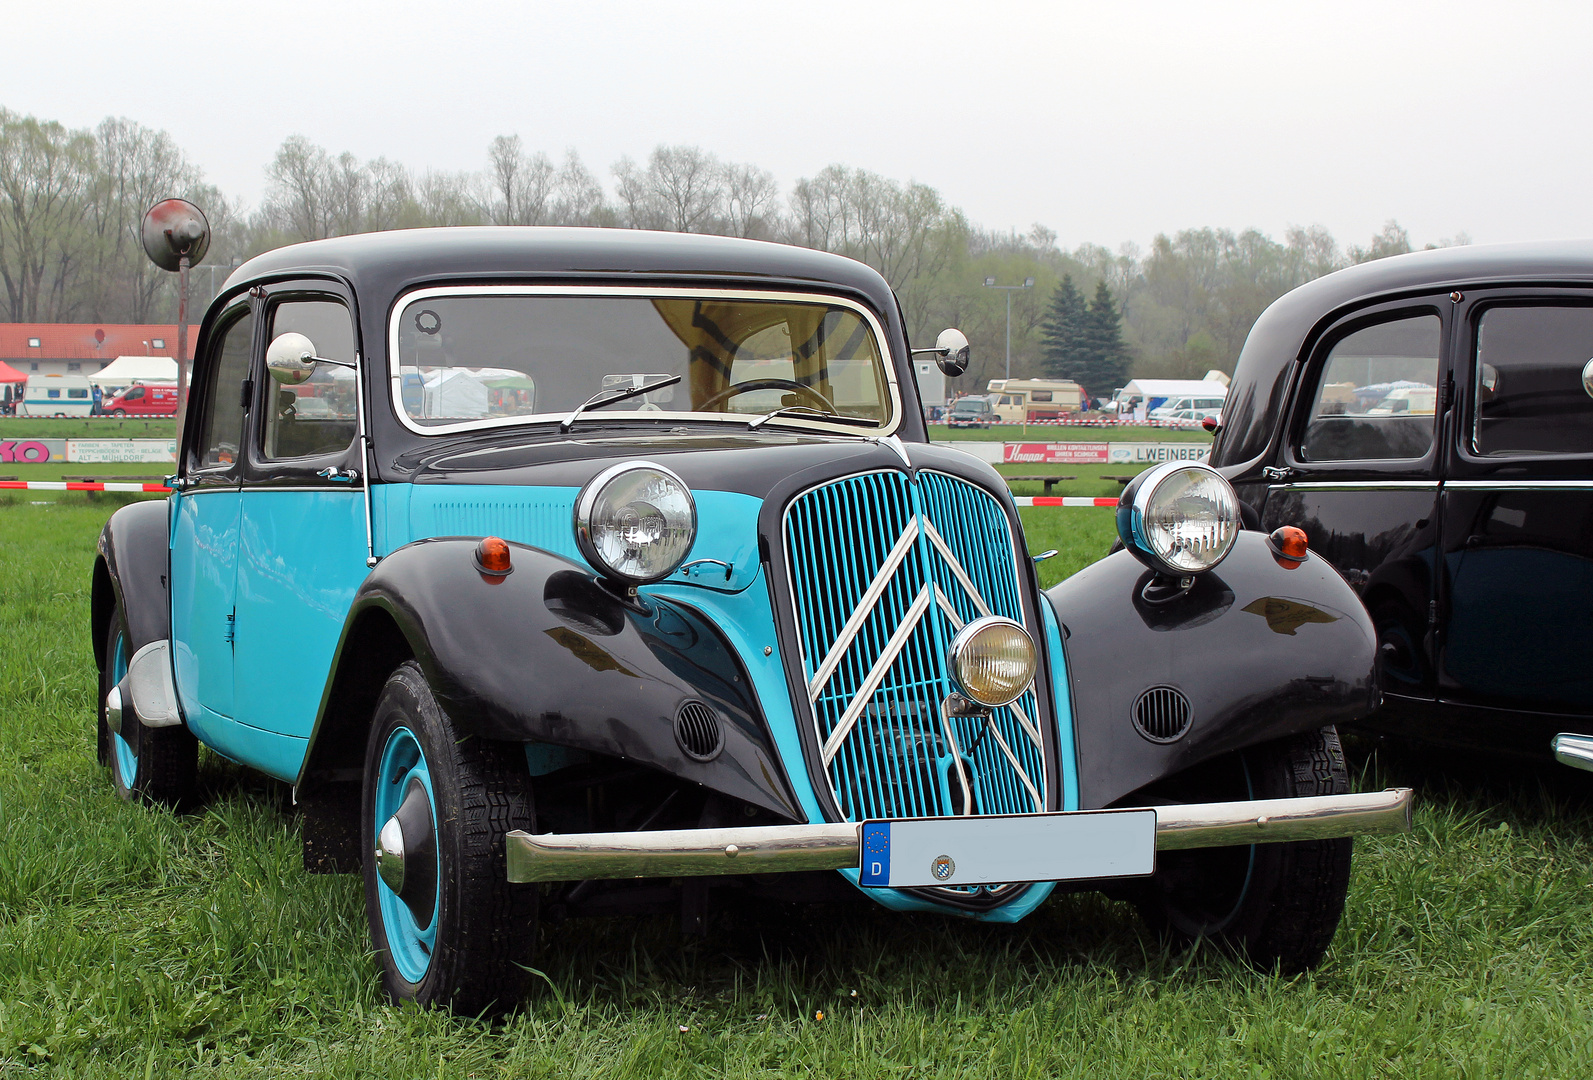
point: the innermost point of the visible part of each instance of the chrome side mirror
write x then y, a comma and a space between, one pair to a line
291, 359
1587, 378
951, 352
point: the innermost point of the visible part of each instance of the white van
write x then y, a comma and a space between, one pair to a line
1200, 407
57, 395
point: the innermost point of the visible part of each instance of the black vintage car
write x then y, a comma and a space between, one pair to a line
1427, 419
585, 572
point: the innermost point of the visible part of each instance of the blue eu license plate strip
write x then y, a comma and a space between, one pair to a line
997, 850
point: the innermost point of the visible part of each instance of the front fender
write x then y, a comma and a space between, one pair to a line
546, 654
130, 572
1260, 651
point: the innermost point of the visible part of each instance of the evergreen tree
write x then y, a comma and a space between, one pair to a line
1062, 330
1104, 359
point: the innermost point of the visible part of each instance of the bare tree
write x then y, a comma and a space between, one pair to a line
751, 199
686, 182
522, 186
46, 173
577, 195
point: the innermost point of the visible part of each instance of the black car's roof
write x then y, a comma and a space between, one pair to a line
1289, 325
395, 259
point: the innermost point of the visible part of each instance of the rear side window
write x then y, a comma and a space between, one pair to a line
1376, 395
1530, 391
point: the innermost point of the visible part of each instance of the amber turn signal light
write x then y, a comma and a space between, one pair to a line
1289, 546
492, 557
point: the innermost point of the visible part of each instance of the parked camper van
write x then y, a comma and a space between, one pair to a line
1018, 400
57, 395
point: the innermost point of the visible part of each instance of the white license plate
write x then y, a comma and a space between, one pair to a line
996, 850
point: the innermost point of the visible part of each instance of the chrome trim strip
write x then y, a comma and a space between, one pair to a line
881, 340
1520, 485
1029, 727
957, 570
865, 608
783, 848
1357, 485
876, 675
1012, 759
1574, 750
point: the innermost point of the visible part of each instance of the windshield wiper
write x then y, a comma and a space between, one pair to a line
806, 412
598, 400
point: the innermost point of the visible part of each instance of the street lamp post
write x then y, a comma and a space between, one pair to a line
990, 283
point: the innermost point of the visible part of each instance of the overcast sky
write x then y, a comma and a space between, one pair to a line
1107, 121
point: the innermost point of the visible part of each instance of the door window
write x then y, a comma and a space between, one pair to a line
1377, 394
221, 419
1530, 395
318, 416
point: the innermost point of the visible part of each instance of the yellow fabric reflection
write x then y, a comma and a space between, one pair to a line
714, 330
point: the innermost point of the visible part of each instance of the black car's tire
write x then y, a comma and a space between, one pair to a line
1277, 904
152, 765
455, 933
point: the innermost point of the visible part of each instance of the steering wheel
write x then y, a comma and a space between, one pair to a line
767, 384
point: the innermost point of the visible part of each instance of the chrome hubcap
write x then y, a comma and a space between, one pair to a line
390, 854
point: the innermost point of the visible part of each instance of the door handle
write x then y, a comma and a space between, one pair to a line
340, 476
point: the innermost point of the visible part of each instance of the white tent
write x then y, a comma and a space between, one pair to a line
1168, 388
455, 394
126, 370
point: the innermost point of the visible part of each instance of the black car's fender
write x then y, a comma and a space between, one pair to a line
1259, 650
130, 572
545, 654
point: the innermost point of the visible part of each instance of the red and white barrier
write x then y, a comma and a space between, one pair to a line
1064, 500
80, 485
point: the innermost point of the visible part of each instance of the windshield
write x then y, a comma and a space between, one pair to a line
491, 356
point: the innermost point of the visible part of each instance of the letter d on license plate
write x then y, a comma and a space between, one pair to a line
996, 850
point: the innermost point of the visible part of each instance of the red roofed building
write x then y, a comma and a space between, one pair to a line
83, 348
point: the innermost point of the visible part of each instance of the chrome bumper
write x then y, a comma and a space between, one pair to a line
1574, 750
782, 848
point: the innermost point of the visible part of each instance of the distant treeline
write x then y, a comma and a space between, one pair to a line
71, 202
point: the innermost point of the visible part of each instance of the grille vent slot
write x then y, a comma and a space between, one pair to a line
1162, 714
698, 731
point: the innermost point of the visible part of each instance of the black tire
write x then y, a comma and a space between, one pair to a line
1276, 904
159, 766
483, 929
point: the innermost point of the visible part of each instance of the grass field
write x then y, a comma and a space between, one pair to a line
134, 943
26, 427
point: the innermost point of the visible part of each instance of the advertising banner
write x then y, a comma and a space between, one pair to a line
1062, 453
32, 451
101, 451
1149, 453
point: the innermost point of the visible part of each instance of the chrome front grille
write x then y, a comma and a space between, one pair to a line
883, 572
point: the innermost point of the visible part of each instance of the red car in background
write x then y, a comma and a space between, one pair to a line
142, 399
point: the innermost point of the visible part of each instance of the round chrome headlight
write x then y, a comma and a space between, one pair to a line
635, 521
993, 660
1179, 518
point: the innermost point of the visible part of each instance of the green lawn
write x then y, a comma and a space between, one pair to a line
134, 943
25, 427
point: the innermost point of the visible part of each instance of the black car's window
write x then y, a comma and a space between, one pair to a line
223, 408
472, 359
1528, 380
318, 416
1376, 395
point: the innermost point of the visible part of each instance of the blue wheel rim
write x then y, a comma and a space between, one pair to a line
409, 944
124, 759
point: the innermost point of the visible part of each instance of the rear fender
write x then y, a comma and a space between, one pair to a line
131, 572
1260, 651
545, 654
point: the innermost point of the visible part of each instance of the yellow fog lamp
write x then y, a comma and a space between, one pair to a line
993, 660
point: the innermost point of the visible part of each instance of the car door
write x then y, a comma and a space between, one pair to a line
1517, 614
302, 537
204, 535
1364, 486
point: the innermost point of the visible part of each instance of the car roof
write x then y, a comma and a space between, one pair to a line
1289, 326
395, 259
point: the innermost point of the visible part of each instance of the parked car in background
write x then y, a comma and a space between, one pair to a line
707, 614
1428, 420
972, 411
142, 399
57, 395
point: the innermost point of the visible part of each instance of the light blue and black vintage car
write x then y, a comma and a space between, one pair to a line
566, 573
